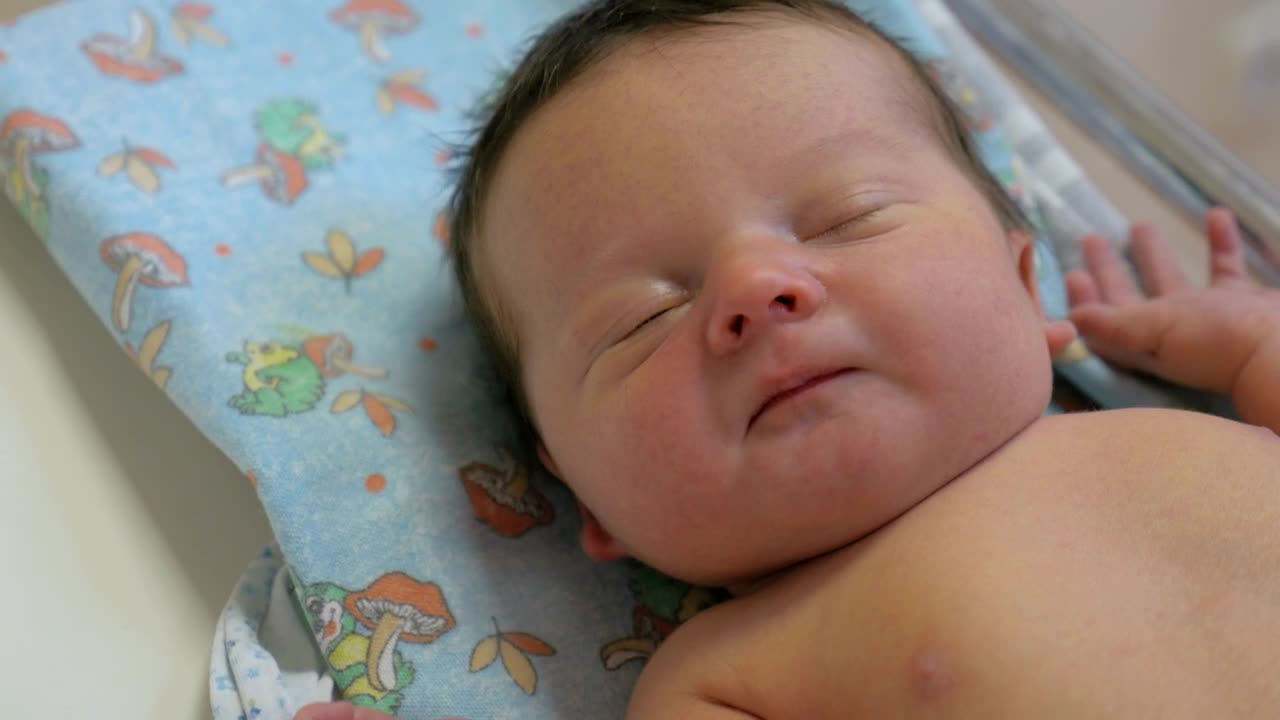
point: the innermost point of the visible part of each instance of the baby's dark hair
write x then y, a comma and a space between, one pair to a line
581, 40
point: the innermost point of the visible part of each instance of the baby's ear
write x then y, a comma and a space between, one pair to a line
1059, 334
597, 542
547, 461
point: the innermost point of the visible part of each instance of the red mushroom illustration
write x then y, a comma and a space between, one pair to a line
401, 89
398, 609
504, 499
192, 20
374, 19
140, 258
134, 58
25, 133
282, 175
331, 354
145, 356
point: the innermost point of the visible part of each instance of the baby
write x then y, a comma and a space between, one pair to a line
778, 329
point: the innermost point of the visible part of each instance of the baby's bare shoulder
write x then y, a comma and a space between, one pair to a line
1145, 442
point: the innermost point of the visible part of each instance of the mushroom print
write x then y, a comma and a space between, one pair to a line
145, 356
346, 650
140, 258
374, 19
134, 58
191, 20
503, 498
514, 648
662, 605
397, 608
401, 89
332, 355
139, 165
342, 260
25, 133
293, 142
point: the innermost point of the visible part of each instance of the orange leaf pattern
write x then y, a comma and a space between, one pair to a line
381, 416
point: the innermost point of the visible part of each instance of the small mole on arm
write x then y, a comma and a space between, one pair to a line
929, 676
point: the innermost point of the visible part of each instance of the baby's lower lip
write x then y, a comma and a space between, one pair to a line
798, 390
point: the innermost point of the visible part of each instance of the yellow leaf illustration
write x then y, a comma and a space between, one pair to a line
161, 376
322, 264
485, 653
519, 667
386, 105
341, 250
151, 345
345, 401
141, 175
111, 164
209, 35
393, 403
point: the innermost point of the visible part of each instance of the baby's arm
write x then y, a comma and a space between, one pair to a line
1224, 337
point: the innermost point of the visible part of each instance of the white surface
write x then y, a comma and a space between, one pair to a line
122, 530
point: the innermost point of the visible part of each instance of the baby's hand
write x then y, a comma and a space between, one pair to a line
1201, 337
339, 711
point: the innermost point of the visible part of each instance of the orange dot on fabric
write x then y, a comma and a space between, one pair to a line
475, 30
427, 344
3, 57
443, 157
253, 479
375, 483
285, 58
222, 249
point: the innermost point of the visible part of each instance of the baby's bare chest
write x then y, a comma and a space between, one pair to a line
1132, 586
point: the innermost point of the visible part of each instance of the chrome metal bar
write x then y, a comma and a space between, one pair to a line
1119, 109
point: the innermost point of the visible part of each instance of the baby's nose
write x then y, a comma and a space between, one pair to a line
757, 292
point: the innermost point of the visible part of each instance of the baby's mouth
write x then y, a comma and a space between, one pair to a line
797, 387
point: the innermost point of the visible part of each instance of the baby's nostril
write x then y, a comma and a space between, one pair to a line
787, 301
735, 325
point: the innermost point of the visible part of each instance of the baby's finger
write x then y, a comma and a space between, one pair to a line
1226, 248
339, 711
1133, 330
1157, 267
1108, 271
1081, 289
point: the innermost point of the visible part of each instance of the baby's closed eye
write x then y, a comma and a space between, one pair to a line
858, 224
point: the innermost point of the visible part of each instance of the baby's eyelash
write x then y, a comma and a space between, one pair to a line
851, 222
646, 321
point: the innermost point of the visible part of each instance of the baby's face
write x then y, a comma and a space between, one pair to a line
760, 310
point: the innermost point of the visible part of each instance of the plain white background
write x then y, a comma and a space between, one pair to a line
122, 530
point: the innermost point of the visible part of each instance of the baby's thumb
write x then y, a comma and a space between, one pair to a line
1127, 335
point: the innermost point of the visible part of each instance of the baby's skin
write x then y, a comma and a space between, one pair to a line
778, 340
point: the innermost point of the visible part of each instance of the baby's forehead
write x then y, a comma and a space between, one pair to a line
635, 107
